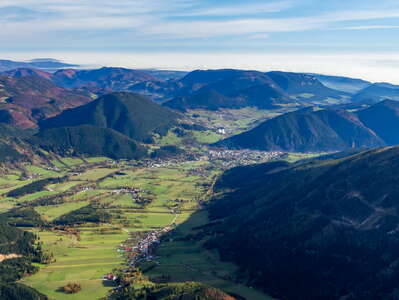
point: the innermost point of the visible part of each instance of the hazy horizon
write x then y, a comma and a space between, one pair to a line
370, 67
335, 37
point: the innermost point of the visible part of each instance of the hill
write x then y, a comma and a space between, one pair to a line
27, 96
307, 88
377, 92
228, 88
308, 130
101, 80
88, 140
321, 230
27, 72
43, 64
345, 84
213, 89
383, 119
130, 114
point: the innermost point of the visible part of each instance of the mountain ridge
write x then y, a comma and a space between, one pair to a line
318, 130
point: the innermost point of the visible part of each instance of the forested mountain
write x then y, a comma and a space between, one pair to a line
377, 92
306, 88
130, 114
28, 96
329, 129
88, 140
320, 230
101, 80
345, 84
44, 64
213, 89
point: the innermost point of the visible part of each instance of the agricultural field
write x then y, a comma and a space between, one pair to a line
235, 121
219, 125
95, 205
85, 252
184, 259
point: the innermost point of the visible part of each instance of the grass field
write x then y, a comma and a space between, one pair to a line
87, 256
84, 261
190, 261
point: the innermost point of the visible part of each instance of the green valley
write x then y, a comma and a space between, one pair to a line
100, 204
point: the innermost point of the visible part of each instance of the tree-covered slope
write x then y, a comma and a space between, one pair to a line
229, 88
383, 119
88, 140
17, 251
27, 98
340, 83
103, 79
214, 89
130, 114
307, 130
377, 92
321, 230
305, 87
173, 291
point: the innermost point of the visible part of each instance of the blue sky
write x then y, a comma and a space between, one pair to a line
352, 37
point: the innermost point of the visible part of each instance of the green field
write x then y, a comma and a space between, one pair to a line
89, 251
84, 261
190, 261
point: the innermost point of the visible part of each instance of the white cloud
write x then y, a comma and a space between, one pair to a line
241, 9
158, 18
370, 27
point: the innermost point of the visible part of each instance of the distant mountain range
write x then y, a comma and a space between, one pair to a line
345, 84
101, 80
41, 63
321, 230
377, 92
328, 129
214, 89
33, 98
27, 96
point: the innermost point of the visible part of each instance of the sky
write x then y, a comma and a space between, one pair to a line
357, 38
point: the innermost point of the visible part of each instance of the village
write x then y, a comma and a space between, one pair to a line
138, 248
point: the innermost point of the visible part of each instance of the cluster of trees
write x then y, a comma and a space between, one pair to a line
85, 214
25, 249
34, 187
72, 288
166, 152
13, 291
171, 291
22, 217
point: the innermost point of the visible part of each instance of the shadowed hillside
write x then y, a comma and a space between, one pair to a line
321, 230
174, 291
88, 140
130, 114
228, 88
377, 92
29, 97
329, 129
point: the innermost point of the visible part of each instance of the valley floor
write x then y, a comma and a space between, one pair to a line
141, 198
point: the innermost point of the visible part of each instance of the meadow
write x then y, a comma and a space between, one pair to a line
84, 253
90, 253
